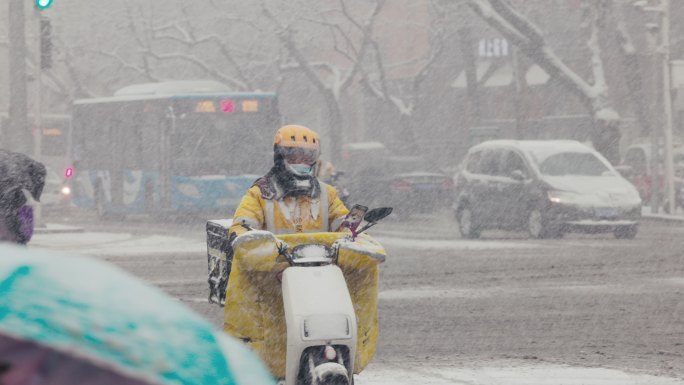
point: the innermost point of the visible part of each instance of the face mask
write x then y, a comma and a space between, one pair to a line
25, 223
301, 169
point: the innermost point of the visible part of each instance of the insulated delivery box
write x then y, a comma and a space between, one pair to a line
219, 258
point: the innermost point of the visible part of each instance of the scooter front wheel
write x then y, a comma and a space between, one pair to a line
328, 373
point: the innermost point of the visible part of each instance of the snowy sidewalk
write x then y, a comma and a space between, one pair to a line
57, 228
118, 244
442, 374
646, 214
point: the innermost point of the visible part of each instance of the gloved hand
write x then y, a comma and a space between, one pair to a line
282, 248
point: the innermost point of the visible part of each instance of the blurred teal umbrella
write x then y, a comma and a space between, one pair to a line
74, 320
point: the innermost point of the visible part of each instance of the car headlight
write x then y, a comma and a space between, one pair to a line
562, 196
65, 190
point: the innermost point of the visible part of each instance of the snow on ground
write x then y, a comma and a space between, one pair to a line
126, 244
433, 292
120, 244
381, 373
443, 374
458, 244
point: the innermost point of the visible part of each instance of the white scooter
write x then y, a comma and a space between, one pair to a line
320, 317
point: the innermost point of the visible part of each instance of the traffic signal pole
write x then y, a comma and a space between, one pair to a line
18, 133
38, 118
667, 103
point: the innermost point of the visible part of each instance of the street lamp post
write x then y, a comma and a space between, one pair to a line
663, 10
667, 102
38, 118
654, 163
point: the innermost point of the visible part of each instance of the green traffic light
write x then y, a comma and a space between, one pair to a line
42, 4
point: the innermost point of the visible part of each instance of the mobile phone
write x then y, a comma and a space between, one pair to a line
355, 216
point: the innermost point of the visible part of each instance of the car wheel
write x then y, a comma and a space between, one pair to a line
626, 232
467, 225
99, 198
535, 224
539, 228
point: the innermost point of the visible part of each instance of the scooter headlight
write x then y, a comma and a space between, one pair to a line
311, 254
326, 327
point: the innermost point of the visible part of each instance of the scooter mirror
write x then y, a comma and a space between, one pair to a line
377, 214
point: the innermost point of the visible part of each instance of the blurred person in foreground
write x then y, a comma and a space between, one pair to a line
74, 320
21, 183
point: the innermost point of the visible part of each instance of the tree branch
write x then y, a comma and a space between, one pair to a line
536, 50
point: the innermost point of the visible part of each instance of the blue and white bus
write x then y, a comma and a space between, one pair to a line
170, 147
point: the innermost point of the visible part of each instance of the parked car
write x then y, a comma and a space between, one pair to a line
413, 186
544, 187
636, 165
408, 183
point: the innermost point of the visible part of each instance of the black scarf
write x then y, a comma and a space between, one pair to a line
279, 183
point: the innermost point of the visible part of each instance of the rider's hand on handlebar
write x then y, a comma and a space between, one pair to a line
281, 246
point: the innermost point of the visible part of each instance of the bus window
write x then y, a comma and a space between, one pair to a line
176, 142
207, 144
130, 135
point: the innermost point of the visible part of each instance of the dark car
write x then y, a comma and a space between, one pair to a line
413, 186
544, 187
409, 184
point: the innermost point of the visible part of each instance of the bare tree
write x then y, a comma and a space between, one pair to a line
402, 95
173, 44
330, 77
501, 15
634, 72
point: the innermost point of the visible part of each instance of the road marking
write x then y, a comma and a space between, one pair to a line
513, 374
195, 299
117, 244
423, 244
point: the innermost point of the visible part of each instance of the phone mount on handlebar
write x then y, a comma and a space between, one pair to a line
284, 252
372, 217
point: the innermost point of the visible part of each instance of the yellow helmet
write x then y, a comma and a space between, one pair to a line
294, 135
298, 147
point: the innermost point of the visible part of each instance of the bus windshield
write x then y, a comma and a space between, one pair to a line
208, 144
182, 151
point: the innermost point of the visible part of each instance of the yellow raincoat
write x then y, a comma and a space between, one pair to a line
291, 214
254, 305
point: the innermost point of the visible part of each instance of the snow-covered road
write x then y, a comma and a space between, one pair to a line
598, 304
128, 244
506, 374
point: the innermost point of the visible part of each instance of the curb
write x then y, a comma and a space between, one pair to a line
57, 229
663, 218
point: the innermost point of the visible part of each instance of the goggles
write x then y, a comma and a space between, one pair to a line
298, 155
